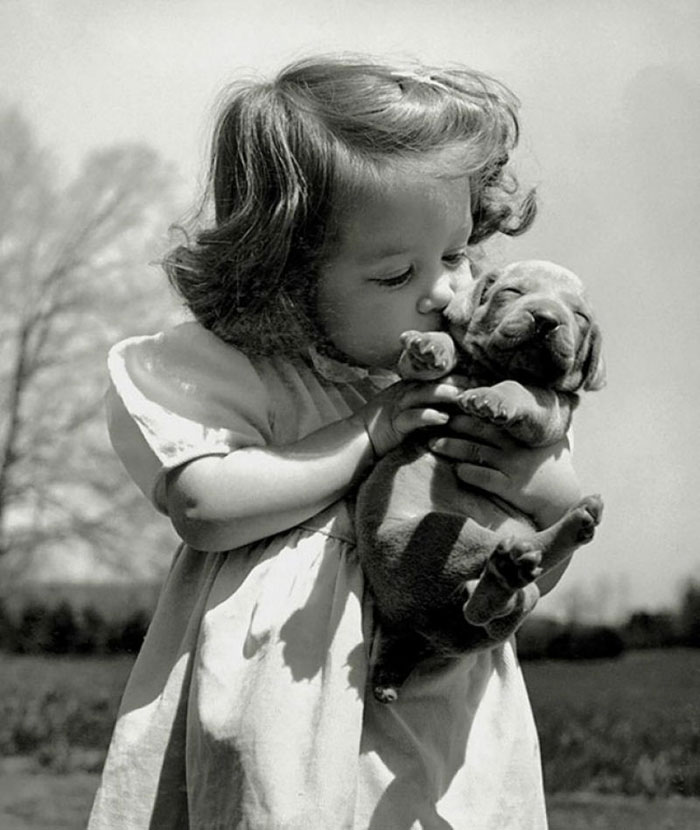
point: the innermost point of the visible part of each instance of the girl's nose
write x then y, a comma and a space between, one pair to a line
439, 295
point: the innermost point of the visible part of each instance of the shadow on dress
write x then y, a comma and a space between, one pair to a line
422, 740
324, 609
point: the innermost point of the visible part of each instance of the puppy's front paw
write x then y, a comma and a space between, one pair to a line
507, 403
426, 355
489, 405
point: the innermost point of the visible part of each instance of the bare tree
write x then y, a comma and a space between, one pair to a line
74, 277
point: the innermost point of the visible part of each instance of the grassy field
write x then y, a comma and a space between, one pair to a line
60, 710
620, 739
629, 726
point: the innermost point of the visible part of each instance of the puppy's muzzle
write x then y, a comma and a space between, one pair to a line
546, 320
540, 325
537, 341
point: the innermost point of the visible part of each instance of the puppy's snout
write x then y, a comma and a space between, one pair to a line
546, 319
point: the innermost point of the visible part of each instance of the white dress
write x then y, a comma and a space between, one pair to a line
247, 705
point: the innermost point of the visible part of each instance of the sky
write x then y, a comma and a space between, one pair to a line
610, 93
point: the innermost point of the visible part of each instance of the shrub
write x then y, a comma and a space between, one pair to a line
586, 642
6, 627
542, 638
689, 616
647, 630
93, 632
32, 635
535, 635
127, 637
62, 629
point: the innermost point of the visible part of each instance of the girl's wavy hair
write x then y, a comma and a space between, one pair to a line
290, 154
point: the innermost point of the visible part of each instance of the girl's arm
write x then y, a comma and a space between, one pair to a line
223, 502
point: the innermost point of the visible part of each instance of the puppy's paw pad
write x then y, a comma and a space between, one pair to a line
424, 352
486, 405
588, 513
516, 563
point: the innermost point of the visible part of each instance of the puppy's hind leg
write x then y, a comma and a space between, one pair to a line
513, 566
576, 527
501, 628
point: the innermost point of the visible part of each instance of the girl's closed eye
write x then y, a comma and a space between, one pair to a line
455, 258
394, 280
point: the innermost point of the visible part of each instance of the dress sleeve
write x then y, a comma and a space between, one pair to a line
180, 395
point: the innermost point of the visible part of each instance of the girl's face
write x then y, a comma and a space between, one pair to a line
402, 255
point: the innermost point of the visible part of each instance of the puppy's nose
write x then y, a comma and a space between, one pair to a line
546, 319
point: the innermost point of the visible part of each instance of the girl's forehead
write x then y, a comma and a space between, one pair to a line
406, 213
444, 163
432, 172
369, 190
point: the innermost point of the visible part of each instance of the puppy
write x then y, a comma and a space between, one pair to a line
452, 569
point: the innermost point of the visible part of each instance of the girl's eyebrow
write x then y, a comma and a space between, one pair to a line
383, 253
389, 251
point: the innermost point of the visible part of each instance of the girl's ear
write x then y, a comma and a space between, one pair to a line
593, 369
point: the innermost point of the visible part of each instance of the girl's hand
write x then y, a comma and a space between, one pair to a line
540, 482
405, 407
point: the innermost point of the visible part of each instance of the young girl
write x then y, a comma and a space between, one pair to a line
347, 197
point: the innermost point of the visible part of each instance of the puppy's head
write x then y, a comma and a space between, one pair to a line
530, 321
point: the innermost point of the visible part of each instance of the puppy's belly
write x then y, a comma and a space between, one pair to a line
428, 484
422, 536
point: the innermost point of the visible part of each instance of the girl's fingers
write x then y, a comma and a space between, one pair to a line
480, 430
458, 449
424, 394
485, 478
460, 382
412, 419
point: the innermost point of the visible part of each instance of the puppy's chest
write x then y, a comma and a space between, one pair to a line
429, 484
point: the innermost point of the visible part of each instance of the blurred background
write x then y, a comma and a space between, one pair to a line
105, 115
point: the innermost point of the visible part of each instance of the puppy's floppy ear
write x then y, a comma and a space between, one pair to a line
482, 285
593, 369
464, 304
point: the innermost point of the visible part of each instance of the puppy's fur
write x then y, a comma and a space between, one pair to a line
452, 568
